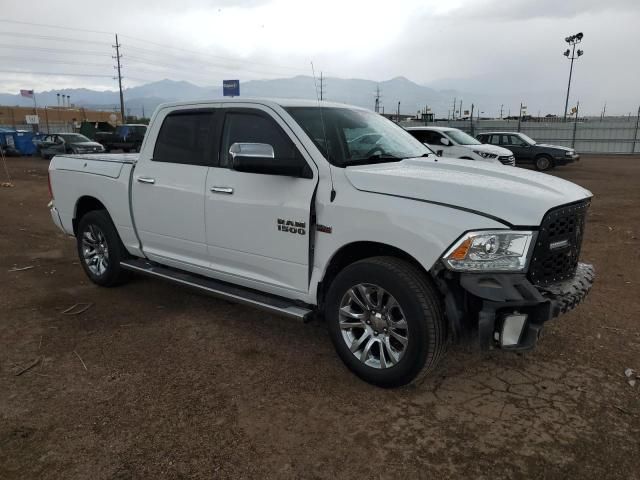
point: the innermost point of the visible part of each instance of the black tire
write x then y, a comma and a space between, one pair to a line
543, 163
96, 223
420, 305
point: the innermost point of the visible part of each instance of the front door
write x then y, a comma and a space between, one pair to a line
168, 189
516, 145
258, 224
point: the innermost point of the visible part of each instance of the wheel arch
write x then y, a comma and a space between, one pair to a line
359, 250
84, 205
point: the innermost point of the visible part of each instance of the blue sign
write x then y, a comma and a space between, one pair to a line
231, 88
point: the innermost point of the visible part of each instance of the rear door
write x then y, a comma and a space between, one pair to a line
258, 224
168, 188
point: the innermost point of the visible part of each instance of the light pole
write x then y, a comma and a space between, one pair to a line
573, 40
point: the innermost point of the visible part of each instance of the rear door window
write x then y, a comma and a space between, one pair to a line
187, 137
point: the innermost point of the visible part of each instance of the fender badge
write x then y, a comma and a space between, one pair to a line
323, 228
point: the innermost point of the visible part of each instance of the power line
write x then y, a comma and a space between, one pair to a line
47, 60
49, 37
22, 72
19, 22
53, 50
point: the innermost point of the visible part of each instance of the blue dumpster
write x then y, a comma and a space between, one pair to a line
21, 140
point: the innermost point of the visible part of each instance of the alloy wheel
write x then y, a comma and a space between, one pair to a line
373, 326
95, 250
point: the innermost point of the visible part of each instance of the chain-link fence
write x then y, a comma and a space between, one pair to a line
618, 136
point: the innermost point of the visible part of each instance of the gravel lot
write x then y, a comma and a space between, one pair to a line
155, 381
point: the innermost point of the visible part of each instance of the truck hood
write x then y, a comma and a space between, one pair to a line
512, 195
555, 147
86, 144
490, 149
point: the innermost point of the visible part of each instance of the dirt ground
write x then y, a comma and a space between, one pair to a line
155, 381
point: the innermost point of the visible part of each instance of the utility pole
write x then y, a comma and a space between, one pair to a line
575, 125
143, 111
377, 105
58, 96
460, 111
573, 40
501, 108
118, 67
453, 112
321, 87
635, 135
398, 112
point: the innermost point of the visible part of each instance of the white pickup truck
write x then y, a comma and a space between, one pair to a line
272, 204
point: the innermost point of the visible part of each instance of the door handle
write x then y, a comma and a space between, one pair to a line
146, 180
227, 190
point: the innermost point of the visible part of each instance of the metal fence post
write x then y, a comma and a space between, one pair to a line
575, 126
635, 135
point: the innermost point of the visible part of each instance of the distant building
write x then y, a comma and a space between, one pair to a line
54, 119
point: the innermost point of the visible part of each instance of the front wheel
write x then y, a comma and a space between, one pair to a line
543, 163
100, 249
386, 321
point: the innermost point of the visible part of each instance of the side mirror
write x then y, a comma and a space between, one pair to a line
444, 141
260, 158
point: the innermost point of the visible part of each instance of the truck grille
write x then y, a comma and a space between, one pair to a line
555, 256
505, 160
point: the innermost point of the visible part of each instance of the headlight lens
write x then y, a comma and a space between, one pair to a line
485, 154
492, 250
570, 153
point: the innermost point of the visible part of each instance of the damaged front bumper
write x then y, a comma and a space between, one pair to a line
511, 311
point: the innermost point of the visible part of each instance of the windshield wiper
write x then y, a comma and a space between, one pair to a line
377, 158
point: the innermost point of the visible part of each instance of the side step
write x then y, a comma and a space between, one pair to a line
263, 301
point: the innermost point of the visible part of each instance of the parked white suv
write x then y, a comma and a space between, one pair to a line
332, 211
454, 143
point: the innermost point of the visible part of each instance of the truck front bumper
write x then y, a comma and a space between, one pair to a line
512, 311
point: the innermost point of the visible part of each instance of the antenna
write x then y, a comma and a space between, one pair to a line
324, 133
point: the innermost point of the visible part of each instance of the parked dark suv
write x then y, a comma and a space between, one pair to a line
127, 138
526, 150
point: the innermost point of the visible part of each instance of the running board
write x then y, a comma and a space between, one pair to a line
226, 291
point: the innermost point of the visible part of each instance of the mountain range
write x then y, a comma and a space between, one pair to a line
412, 96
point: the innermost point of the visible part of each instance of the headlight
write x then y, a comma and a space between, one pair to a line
485, 154
570, 153
491, 250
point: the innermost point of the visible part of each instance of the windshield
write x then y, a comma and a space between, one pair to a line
527, 139
74, 138
462, 138
356, 137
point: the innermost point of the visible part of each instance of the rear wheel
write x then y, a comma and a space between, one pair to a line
100, 249
385, 320
543, 163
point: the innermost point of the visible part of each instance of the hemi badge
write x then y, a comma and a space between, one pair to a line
560, 244
324, 228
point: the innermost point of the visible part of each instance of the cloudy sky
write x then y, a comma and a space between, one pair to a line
483, 46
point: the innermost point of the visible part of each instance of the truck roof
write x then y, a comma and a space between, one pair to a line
282, 102
436, 129
500, 132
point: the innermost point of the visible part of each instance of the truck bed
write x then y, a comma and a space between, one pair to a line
104, 157
104, 178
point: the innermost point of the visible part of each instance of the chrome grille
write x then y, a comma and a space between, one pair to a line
557, 250
507, 160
